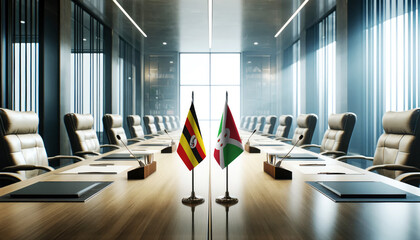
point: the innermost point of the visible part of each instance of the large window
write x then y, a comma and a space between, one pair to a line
129, 71
392, 60
23, 55
210, 76
87, 66
325, 70
291, 82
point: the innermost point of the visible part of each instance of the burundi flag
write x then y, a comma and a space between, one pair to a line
191, 147
229, 145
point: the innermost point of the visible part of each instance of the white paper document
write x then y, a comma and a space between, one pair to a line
326, 170
105, 169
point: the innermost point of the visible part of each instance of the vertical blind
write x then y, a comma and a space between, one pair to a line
87, 66
23, 55
129, 69
326, 74
392, 60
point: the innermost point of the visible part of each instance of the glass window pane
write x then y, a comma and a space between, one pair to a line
201, 102
194, 69
225, 69
218, 98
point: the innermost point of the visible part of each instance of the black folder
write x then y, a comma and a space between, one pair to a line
367, 189
54, 190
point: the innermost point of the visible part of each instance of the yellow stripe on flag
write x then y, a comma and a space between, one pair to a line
196, 131
186, 146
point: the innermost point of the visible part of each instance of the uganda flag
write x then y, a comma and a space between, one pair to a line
191, 147
229, 145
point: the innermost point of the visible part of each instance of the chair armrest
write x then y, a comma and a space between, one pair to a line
343, 158
83, 153
336, 153
394, 167
59, 157
10, 177
407, 177
110, 146
310, 145
17, 168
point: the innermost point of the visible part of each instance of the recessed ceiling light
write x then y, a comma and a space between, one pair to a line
249, 62
84, 39
165, 43
129, 18
291, 18
255, 43
22, 22
171, 62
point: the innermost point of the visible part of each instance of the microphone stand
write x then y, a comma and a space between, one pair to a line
278, 163
142, 164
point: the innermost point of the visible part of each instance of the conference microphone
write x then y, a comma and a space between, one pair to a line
166, 131
285, 156
142, 164
251, 135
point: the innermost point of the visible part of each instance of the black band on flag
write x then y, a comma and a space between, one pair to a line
187, 136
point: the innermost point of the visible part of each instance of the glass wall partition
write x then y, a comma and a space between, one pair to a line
392, 61
87, 66
210, 76
22, 44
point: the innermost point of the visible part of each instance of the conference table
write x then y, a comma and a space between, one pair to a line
152, 209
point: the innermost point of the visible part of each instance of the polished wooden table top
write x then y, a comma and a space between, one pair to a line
152, 208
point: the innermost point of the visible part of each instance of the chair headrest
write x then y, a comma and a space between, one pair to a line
339, 121
158, 119
285, 120
405, 122
271, 120
305, 120
260, 119
15, 122
114, 120
148, 119
167, 118
82, 121
135, 119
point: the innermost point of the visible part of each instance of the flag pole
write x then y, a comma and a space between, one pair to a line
227, 200
193, 199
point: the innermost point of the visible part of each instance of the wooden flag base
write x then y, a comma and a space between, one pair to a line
142, 172
251, 149
277, 172
169, 149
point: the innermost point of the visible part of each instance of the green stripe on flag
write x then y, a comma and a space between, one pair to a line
230, 152
220, 127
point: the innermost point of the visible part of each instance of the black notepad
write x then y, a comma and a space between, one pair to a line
359, 189
54, 190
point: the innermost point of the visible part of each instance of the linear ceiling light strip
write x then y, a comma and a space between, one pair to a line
291, 18
129, 18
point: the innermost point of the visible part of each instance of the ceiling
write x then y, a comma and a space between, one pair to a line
183, 24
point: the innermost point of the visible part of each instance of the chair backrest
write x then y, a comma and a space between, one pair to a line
20, 142
270, 123
167, 123
159, 123
81, 134
400, 143
177, 123
253, 123
113, 126
149, 124
285, 122
242, 122
337, 137
173, 122
247, 122
306, 124
134, 126
260, 123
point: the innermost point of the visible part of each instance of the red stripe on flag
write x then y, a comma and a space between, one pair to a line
200, 150
189, 128
184, 157
230, 123
217, 155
